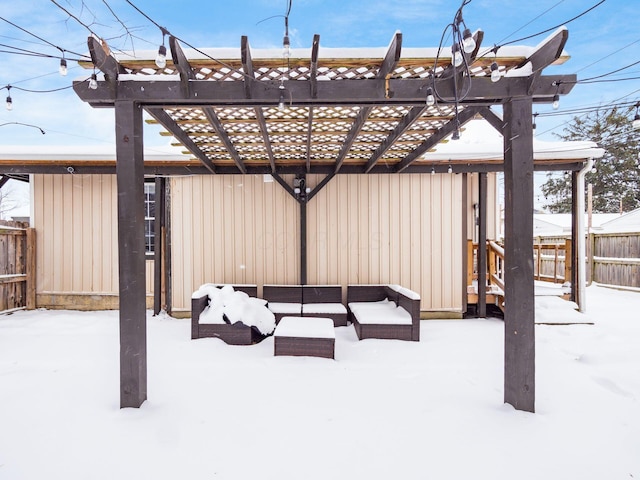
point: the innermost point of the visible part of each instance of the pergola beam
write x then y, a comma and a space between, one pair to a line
182, 64
313, 68
167, 122
447, 129
247, 66
402, 126
104, 61
177, 170
347, 92
219, 129
386, 68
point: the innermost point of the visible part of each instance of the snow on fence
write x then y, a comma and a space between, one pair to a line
17, 266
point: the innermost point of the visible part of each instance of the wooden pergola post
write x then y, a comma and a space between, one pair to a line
519, 316
131, 253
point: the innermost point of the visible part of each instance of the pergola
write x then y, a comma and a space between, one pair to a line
328, 112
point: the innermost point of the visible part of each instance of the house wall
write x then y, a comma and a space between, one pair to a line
240, 229
76, 220
361, 229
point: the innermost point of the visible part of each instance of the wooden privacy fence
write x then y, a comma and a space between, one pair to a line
615, 259
17, 267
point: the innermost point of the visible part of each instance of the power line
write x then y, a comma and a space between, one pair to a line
62, 50
531, 21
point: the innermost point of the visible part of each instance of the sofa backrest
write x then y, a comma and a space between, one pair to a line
322, 294
282, 293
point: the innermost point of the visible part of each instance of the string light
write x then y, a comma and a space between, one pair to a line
534, 126
281, 104
456, 56
63, 65
93, 81
9, 100
433, 171
431, 100
495, 72
161, 58
468, 43
450, 169
286, 43
556, 101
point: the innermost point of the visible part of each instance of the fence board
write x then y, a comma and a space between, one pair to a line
16, 256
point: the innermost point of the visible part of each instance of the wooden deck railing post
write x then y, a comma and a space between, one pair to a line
31, 269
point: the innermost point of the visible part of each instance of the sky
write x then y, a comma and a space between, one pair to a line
601, 41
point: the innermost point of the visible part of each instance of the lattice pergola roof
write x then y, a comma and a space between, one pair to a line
345, 110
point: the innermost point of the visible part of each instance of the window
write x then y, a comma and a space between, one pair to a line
149, 217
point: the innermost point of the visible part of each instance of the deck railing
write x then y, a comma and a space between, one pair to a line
552, 263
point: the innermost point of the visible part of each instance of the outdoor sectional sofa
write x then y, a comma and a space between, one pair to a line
306, 301
384, 311
232, 334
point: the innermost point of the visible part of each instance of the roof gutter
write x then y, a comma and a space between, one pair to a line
580, 207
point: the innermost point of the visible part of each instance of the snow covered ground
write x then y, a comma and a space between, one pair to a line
381, 410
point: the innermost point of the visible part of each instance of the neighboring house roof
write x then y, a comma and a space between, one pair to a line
480, 141
628, 222
559, 224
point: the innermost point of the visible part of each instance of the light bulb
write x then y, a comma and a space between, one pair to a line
433, 171
9, 103
468, 43
431, 100
495, 72
93, 82
449, 170
636, 122
456, 55
63, 67
281, 104
161, 59
286, 45
456, 135
556, 101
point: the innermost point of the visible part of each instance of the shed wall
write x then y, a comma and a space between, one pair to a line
240, 229
361, 229
75, 217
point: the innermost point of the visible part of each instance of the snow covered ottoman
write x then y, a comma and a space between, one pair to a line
305, 336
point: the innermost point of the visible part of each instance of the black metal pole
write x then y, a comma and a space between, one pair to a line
303, 241
159, 225
482, 245
131, 254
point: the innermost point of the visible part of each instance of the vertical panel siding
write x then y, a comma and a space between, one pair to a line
231, 229
75, 217
402, 229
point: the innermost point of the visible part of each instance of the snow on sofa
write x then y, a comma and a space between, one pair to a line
384, 311
306, 301
231, 313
